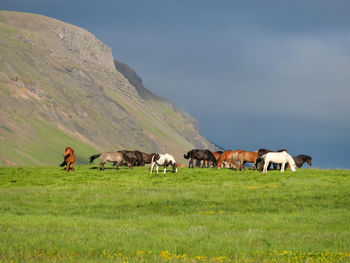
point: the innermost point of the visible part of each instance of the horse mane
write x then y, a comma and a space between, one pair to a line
66, 156
189, 154
69, 148
303, 157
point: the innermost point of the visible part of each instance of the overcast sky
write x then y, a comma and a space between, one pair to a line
273, 74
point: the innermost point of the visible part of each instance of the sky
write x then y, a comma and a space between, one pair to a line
255, 74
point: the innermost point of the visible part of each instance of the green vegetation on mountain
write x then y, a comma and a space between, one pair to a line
60, 86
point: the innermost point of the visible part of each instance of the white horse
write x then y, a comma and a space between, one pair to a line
278, 157
165, 160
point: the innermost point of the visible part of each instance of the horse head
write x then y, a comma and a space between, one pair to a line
293, 167
309, 162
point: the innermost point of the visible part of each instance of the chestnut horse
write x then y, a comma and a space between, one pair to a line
69, 159
228, 156
246, 157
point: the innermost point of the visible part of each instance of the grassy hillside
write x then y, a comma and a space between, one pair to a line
196, 215
61, 77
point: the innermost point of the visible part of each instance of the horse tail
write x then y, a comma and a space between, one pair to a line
93, 157
212, 157
63, 164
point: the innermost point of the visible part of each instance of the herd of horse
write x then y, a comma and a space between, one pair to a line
262, 160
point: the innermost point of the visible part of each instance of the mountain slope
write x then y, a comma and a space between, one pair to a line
60, 86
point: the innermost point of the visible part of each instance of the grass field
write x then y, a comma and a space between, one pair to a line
196, 215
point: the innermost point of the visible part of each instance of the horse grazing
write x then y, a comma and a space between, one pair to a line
69, 159
259, 164
115, 157
200, 155
301, 159
228, 156
246, 157
279, 158
163, 159
210, 163
132, 158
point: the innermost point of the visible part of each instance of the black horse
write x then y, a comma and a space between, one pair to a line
259, 164
301, 159
200, 155
132, 158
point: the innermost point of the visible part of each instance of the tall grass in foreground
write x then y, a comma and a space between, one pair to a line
196, 215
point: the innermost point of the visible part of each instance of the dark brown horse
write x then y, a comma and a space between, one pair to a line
200, 155
246, 157
228, 156
301, 159
147, 158
69, 159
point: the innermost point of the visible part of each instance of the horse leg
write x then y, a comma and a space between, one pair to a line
254, 165
132, 164
266, 164
165, 166
282, 167
67, 167
102, 166
73, 167
152, 165
190, 163
157, 167
242, 164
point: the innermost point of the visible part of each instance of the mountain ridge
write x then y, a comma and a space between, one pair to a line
60, 86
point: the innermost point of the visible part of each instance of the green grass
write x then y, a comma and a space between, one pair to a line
46, 145
196, 215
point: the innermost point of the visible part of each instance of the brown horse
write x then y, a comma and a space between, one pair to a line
69, 159
147, 158
246, 157
228, 156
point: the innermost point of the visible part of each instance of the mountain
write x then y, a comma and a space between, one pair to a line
60, 86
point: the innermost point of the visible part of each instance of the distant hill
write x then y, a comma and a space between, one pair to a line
60, 86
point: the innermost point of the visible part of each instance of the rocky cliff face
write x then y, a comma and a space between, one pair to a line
60, 86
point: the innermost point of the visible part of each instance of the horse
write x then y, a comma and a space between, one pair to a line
197, 154
147, 158
209, 163
246, 157
278, 157
116, 157
69, 159
163, 159
259, 164
228, 156
131, 157
301, 159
